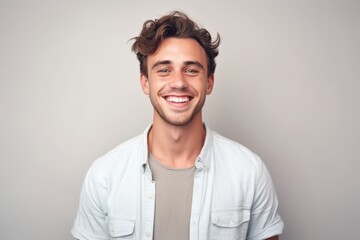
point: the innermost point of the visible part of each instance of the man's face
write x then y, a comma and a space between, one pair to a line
177, 80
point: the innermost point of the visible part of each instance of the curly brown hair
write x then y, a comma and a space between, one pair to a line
176, 24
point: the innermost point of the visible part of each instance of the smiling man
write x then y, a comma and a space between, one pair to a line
178, 180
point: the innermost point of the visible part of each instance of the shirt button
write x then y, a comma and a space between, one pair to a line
149, 195
148, 234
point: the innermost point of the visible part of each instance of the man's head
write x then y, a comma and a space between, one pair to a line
177, 67
176, 25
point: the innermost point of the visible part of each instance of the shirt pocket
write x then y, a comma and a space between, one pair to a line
229, 224
120, 228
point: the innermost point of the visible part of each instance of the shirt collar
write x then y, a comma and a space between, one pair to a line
203, 159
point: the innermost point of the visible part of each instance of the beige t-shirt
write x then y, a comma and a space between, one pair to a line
174, 188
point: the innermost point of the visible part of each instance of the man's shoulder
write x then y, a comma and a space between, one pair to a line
222, 142
133, 149
234, 152
126, 146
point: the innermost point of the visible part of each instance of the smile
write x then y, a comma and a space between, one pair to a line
174, 99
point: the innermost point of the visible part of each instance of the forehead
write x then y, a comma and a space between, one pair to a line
178, 50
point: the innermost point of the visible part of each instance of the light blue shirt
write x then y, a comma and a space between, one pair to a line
233, 195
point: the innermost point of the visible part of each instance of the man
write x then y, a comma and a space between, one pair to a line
179, 179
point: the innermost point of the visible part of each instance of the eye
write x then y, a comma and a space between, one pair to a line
162, 72
192, 71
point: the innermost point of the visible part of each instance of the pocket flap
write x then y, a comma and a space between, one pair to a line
121, 227
230, 218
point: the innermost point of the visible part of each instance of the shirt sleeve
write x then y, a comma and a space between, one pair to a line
90, 222
265, 221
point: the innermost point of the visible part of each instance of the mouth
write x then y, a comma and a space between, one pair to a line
178, 99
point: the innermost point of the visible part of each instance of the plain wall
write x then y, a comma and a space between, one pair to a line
287, 86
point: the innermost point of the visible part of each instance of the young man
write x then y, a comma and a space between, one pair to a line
179, 179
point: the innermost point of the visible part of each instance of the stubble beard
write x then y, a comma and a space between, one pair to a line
181, 120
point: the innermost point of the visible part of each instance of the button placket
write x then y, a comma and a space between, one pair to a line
148, 204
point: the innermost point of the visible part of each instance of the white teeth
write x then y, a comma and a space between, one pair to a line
177, 99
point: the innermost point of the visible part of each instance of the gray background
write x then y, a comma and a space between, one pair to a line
287, 86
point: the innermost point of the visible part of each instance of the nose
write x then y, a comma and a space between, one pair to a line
179, 81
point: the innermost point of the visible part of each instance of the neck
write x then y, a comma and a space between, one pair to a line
176, 146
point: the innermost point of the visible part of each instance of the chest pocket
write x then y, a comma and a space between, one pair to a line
229, 224
120, 228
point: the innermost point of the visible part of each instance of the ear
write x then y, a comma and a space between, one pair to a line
144, 84
210, 84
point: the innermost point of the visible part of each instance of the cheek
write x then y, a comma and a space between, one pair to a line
205, 87
157, 87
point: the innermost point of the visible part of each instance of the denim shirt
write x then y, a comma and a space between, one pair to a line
233, 195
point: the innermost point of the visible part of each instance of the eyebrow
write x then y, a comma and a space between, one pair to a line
186, 63
164, 62
196, 63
